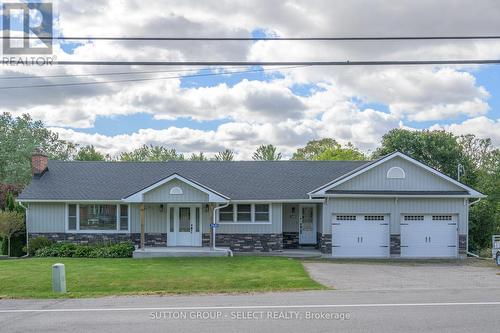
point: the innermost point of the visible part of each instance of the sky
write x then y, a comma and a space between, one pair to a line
282, 106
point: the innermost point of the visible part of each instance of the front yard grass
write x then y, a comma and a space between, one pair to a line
31, 278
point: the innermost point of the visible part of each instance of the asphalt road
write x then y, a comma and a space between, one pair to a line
448, 310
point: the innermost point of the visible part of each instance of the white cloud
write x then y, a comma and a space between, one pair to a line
482, 127
259, 111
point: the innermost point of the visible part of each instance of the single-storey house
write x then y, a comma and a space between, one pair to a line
394, 206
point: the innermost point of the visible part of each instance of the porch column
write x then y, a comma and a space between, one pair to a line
211, 217
143, 227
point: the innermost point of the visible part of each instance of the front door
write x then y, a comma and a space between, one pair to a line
307, 224
187, 226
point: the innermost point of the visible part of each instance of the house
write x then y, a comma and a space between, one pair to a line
394, 206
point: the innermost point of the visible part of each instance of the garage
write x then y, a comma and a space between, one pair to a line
429, 236
360, 235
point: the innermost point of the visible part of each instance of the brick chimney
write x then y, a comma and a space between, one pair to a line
39, 163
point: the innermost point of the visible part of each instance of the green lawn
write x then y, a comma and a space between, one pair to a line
100, 277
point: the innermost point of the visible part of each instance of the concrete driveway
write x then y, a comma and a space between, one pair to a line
409, 276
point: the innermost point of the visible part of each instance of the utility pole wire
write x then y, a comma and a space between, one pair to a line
106, 74
142, 79
280, 63
257, 38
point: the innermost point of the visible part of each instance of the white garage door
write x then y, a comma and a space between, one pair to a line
359, 235
429, 236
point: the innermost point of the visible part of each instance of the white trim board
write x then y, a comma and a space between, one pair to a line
321, 191
213, 196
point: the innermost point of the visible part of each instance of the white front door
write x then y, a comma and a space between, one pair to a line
362, 236
187, 220
429, 236
307, 224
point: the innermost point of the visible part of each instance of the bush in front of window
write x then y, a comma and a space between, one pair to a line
116, 250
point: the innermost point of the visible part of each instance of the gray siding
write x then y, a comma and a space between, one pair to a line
417, 179
395, 208
46, 217
290, 221
155, 221
253, 228
162, 193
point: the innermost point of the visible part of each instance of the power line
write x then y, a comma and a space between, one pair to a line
280, 63
257, 38
142, 79
104, 74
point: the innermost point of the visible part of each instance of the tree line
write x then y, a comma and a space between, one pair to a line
477, 159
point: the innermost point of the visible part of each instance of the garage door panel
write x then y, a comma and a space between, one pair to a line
360, 236
429, 236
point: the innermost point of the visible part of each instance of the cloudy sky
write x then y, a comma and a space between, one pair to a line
286, 106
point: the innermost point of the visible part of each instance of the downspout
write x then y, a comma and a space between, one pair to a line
27, 238
216, 209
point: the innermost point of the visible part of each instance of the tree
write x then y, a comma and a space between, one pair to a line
226, 155
89, 153
266, 153
151, 153
328, 149
348, 153
198, 157
10, 224
19, 137
438, 149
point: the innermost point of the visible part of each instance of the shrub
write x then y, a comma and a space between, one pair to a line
17, 245
38, 243
117, 250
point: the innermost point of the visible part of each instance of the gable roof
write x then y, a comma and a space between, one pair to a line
213, 196
237, 180
328, 188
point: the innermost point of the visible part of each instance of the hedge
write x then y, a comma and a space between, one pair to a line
117, 250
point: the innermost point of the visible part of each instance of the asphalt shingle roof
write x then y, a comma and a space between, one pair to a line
238, 180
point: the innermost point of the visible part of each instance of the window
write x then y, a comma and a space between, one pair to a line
374, 217
261, 213
244, 213
197, 221
396, 173
414, 217
346, 217
171, 219
97, 217
226, 214
71, 217
441, 217
123, 217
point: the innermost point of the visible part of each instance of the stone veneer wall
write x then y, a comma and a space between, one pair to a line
151, 239
247, 242
290, 240
325, 243
395, 249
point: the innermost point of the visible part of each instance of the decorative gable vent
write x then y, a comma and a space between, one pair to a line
396, 173
176, 190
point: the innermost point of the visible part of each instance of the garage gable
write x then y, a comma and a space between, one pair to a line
396, 173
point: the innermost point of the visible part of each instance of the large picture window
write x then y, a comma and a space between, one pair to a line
98, 217
245, 213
